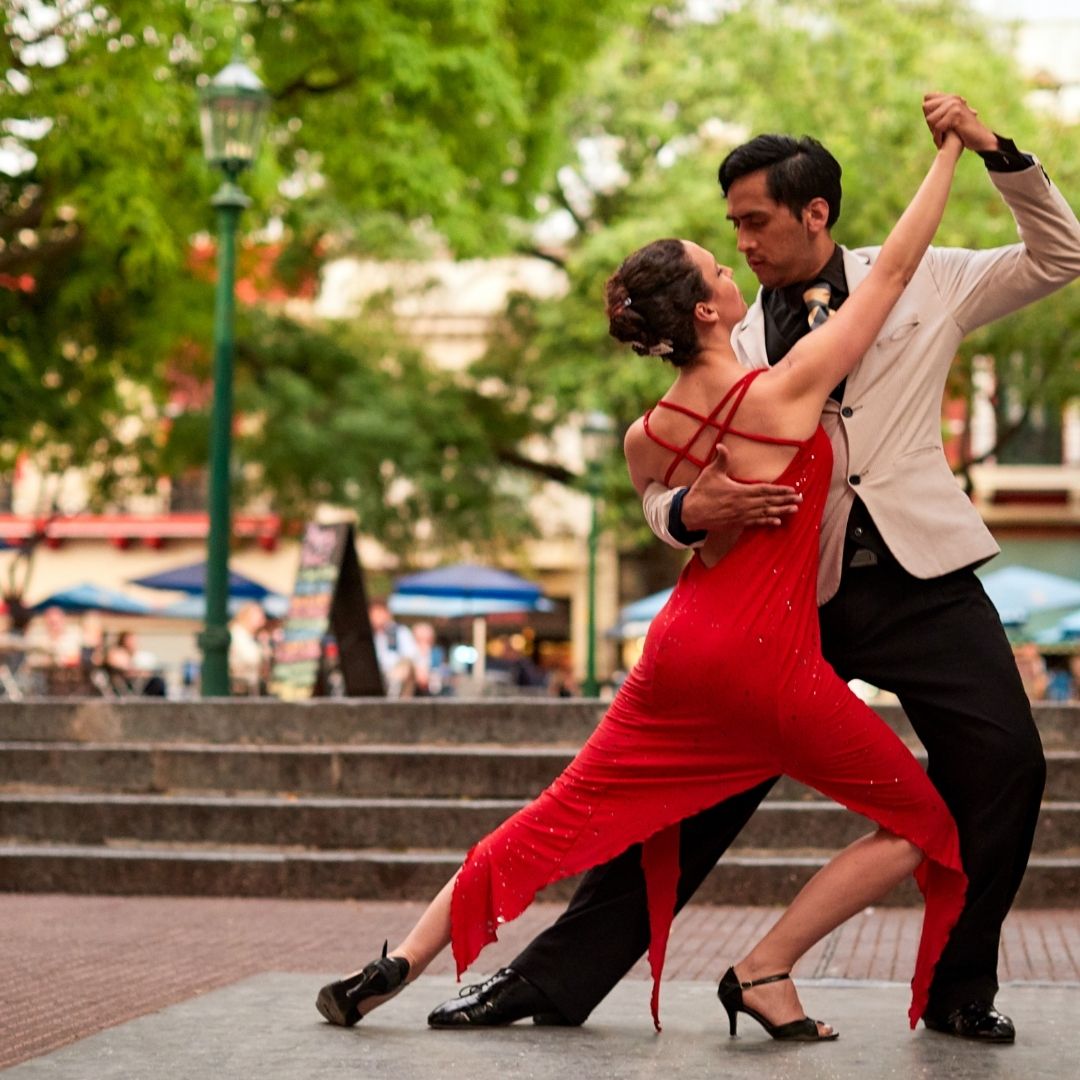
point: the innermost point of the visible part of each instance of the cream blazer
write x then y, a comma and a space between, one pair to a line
886, 440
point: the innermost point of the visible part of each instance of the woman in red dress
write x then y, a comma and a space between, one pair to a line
731, 688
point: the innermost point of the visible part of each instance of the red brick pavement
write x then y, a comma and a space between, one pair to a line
122, 957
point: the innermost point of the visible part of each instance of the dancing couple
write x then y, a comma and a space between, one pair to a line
830, 385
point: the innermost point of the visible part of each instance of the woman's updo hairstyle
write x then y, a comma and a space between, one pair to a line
650, 302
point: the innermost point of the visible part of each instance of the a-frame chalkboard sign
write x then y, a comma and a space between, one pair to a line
328, 598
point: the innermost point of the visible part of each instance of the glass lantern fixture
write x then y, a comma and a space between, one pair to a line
597, 433
232, 108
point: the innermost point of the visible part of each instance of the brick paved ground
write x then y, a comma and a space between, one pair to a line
73, 965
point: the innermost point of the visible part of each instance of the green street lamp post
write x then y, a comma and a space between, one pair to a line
595, 435
232, 107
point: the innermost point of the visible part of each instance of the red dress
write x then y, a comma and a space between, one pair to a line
731, 689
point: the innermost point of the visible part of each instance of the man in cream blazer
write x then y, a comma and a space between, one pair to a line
886, 435
901, 606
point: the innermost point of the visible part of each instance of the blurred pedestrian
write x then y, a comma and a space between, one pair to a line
131, 669
93, 640
393, 644
432, 673
1032, 668
247, 659
53, 641
562, 684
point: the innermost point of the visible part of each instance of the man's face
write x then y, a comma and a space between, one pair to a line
777, 245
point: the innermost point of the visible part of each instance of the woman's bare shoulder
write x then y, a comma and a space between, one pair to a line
640, 453
636, 436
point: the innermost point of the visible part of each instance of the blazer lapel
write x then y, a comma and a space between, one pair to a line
856, 268
748, 337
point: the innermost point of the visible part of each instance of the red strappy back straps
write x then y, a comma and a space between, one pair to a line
735, 395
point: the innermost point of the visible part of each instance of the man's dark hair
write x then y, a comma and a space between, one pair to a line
796, 171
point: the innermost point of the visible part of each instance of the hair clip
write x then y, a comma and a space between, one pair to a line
626, 302
661, 348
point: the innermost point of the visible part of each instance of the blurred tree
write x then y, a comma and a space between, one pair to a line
403, 126
669, 97
397, 125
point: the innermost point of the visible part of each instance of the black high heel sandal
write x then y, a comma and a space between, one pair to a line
730, 992
340, 1001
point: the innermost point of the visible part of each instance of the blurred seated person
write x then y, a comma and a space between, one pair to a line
93, 640
1059, 680
53, 641
561, 683
131, 669
402, 680
393, 643
1032, 668
432, 671
508, 663
247, 649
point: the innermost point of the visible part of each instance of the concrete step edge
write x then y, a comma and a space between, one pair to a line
9, 851
818, 804
321, 749
366, 749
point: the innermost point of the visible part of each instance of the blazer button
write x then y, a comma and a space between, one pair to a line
847, 410
854, 480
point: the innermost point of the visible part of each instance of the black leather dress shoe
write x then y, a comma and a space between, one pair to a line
976, 1020
504, 998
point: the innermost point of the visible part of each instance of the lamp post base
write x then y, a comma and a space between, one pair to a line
214, 643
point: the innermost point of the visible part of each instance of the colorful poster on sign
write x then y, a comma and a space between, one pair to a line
328, 603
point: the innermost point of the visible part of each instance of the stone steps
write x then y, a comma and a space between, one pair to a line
470, 772
363, 721
371, 799
331, 824
263, 721
743, 877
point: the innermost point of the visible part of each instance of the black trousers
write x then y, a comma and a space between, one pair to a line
940, 647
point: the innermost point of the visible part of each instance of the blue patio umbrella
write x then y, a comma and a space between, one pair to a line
194, 607
634, 618
454, 607
1070, 625
1019, 591
192, 579
1066, 629
471, 584
89, 597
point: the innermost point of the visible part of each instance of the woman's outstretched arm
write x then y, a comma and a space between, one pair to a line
821, 359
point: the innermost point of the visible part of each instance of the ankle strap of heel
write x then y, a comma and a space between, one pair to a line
761, 982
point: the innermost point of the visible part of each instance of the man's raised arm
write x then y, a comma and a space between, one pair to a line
986, 284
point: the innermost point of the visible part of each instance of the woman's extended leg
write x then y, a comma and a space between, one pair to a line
844, 750
862, 873
430, 935
345, 1001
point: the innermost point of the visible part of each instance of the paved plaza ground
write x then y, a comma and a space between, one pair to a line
132, 987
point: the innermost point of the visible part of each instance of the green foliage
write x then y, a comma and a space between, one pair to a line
353, 417
402, 126
673, 96
395, 125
